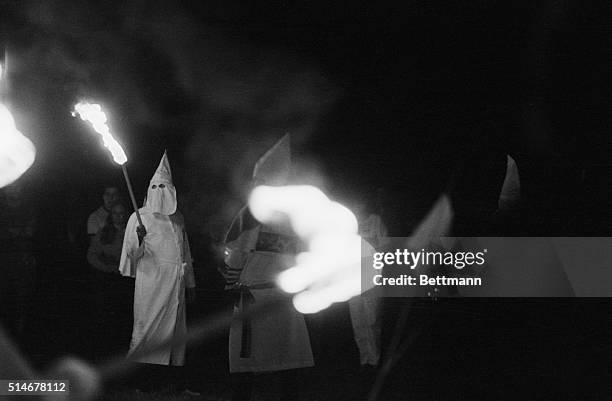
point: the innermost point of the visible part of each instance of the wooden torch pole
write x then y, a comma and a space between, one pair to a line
129, 185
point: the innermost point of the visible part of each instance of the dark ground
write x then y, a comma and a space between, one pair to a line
64, 321
465, 349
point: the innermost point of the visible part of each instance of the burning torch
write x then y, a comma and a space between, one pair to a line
17, 153
93, 114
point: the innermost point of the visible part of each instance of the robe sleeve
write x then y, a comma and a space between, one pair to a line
131, 252
189, 276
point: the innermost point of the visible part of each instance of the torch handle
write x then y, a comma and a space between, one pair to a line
129, 185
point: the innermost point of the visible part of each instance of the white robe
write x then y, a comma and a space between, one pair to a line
162, 267
279, 339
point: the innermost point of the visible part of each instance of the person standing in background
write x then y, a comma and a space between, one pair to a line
97, 219
105, 250
113, 293
268, 349
18, 223
275, 345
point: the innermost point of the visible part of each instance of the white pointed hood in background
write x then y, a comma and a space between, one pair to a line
510, 194
163, 174
274, 167
161, 195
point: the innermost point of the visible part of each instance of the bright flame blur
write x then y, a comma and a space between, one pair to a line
17, 152
330, 271
93, 114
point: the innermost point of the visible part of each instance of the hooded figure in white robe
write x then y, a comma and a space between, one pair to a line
277, 340
163, 268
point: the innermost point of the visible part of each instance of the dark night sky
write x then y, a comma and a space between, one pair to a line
375, 95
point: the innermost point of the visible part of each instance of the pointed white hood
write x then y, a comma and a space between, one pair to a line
274, 167
161, 195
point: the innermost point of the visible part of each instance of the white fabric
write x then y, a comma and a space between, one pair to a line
162, 199
163, 174
510, 193
364, 309
162, 267
279, 339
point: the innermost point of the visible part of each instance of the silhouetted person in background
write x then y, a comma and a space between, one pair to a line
105, 250
97, 219
18, 222
113, 293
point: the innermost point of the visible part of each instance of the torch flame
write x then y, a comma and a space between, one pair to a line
17, 152
97, 118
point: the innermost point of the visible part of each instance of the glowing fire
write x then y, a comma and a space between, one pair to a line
17, 152
93, 114
331, 269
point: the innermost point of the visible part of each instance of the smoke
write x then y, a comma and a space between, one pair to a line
247, 96
168, 79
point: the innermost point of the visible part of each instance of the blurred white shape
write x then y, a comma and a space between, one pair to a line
342, 288
308, 209
83, 378
17, 153
330, 271
4, 69
93, 114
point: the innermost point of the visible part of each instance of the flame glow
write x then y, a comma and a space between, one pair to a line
330, 271
17, 152
93, 114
